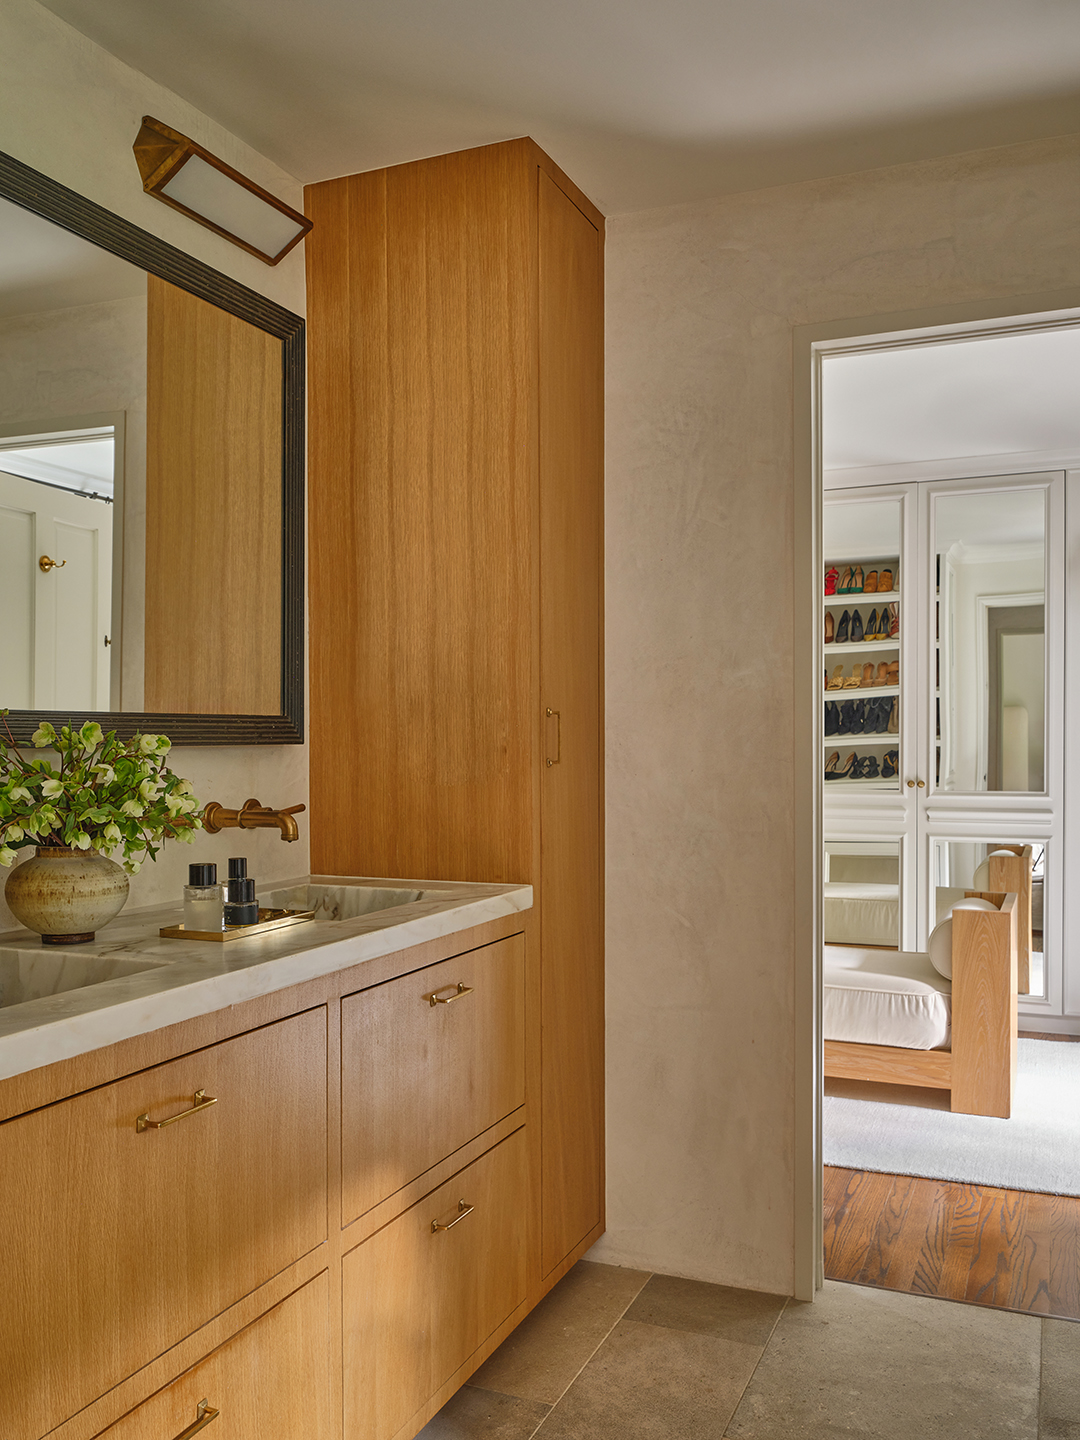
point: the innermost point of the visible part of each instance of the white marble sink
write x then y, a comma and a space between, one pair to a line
25, 975
342, 902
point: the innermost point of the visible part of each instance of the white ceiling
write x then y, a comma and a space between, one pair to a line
43, 267
1001, 396
645, 102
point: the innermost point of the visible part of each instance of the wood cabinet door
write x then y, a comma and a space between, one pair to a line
417, 1302
571, 877
269, 1382
120, 1241
420, 1079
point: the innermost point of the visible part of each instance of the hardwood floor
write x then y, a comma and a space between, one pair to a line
1012, 1249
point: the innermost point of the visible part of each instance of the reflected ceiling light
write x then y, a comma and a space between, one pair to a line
199, 185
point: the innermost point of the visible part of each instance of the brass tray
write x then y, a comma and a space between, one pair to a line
268, 920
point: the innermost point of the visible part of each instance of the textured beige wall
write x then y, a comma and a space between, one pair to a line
72, 110
702, 300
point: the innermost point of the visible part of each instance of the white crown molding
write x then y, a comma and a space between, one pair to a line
962, 467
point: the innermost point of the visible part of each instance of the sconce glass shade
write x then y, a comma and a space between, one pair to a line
180, 172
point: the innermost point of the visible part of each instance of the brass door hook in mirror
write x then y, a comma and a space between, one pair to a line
45, 564
252, 816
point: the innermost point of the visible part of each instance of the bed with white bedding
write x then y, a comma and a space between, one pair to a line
858, 913
885, 997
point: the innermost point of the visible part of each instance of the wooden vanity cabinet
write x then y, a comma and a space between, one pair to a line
455, 483
310, 1205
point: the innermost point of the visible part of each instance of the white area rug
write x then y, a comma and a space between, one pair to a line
1038, 1148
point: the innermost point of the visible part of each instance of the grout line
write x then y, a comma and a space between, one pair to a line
757, 1362
592, 1354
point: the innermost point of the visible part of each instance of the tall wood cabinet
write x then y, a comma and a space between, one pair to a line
455, 480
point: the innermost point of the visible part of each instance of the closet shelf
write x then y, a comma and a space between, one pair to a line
879, 784
859, 597
832, 648
837, 742
863, 692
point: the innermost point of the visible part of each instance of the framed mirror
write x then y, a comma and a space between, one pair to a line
151, 482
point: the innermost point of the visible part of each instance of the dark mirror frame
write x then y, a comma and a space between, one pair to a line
33, 191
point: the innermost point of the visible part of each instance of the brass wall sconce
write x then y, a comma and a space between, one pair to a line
188, 177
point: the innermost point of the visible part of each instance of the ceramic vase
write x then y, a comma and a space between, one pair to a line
66, 895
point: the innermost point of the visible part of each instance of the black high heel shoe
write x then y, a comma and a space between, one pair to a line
842, 628
872, 626
847, 710
850, 770
857, 632
858, 717
832, 718
888, 764
868, 768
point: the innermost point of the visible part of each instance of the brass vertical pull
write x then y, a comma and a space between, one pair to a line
557, 717
202, 1102
203, 1415
464, 1208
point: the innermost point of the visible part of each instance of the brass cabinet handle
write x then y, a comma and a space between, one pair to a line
45, 564
464, 1208
203, 1415
202, 1102
460, 989
555, 714
912, 783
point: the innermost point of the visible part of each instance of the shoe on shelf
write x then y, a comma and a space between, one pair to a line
847, 710
850, 770
858, 717
893, 725
892, 675
867, 674
889, 763
837, 680
842, 628
832, 576
857, 580
854, 680
882, 676
884, 710
857, 632
832, 717
870, 584
868, 768
829, 627
831, 762
884, 581
872, 626
844, 585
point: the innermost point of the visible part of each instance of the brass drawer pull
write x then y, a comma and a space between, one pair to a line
557, 717
203, 1415
464, 1208
202, 1102
460, 989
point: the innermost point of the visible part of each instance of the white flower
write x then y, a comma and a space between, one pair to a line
132, 807
187, 836
105, 773
112, 833
20, 793
7, 856
90, 735
184, 788
81, 840
14, 832
132, 866
148, 744
52, 788
43, 735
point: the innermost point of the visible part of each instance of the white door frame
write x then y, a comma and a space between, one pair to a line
809, 343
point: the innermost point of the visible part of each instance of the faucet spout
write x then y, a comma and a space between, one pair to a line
252, 816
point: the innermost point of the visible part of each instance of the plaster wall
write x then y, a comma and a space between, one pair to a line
72, 111
702, 301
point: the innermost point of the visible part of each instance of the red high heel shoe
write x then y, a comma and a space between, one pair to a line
832, 575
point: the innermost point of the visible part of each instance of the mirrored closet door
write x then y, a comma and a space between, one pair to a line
943, 735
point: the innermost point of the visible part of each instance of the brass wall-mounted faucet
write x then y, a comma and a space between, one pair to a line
252, 816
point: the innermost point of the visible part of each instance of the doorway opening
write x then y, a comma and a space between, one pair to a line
950, 494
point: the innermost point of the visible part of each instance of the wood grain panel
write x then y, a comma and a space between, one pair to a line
416, 1305
422, 469
213, 510
984, 1010
418, 1081
271, 1379
121, 1243
1013, 875
848, 1061
571, 895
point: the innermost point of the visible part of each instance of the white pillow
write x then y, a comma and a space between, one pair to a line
981, 878
939, 947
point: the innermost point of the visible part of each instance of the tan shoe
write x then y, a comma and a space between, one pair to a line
870, 585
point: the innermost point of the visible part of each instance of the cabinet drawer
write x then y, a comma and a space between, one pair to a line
270, 1380
419, 1080
417, 1302
120, 1241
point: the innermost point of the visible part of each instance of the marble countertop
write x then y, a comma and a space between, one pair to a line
170, 980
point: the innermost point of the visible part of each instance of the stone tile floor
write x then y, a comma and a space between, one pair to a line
614, 1354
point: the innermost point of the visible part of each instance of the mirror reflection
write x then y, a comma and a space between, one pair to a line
140, 488
861, 893
990, 640
998, 866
